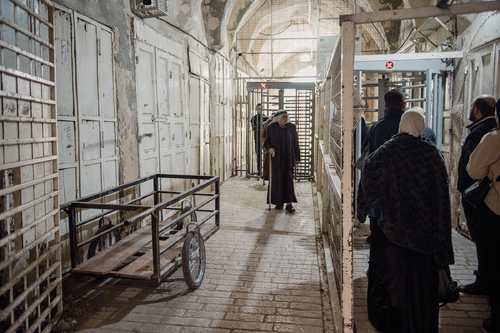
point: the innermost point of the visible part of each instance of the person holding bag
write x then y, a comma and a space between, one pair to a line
485, 162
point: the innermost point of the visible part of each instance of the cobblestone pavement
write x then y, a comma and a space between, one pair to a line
464, 316
263, 274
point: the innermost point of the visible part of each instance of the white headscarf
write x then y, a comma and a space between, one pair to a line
412, 122
278, 115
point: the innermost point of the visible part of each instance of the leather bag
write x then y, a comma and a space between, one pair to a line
477, 192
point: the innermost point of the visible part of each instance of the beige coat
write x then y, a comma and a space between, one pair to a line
485, 161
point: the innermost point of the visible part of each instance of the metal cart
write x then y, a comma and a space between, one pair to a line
161, 229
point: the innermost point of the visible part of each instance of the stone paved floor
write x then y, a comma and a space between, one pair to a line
464, 316
263, 274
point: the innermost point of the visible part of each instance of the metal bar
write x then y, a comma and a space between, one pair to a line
22, 297
111, 190
11, 142
26, 98
428, 89
347, 102
439, 127
217, 201
170, 245
187, 213
434, 101
32, 13
15, 72
25, 32
155, 234
442, 24
72, 236
26, 54
98, 216
92, 205
25, 206
415, 100
21, 186
12, 236
97, 236
28, 119
28, 247
422, 12
272, 60
269, 38
170, 201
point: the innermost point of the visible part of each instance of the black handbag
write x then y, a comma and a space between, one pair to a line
477, 192
448, 292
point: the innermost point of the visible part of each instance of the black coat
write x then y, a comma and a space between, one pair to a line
384, 130
407, 180
273, 141
477, 130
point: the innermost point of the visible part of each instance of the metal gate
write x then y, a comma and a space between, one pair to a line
298, 100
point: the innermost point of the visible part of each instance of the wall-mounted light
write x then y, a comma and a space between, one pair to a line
149, 8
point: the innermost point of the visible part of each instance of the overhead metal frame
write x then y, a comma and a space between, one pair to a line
346, 45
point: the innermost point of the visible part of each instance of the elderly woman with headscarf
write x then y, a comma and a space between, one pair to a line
405, 185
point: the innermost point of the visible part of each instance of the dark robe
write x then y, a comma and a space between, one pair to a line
285, 142
405, 182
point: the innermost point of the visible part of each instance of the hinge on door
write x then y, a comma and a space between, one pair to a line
170, 74
102, 139
99, 46
136, 60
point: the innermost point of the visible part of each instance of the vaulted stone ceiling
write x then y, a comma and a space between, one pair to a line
253, 28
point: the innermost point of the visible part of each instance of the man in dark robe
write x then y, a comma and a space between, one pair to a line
282, 143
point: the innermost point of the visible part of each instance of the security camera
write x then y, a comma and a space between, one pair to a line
146, 2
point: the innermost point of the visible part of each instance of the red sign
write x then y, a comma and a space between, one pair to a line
389, 65
263, 85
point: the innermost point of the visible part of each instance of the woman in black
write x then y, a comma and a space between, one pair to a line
405, 185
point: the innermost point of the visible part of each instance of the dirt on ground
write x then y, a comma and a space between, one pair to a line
74, 310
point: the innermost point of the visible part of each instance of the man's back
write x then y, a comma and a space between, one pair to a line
384, 130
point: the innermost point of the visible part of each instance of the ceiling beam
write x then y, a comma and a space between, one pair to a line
423, 12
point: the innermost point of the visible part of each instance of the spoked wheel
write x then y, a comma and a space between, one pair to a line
193, 259
186, 205
103, 242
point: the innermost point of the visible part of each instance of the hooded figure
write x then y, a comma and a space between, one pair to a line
405, 183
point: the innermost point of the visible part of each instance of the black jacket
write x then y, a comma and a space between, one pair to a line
477, 130
384, 129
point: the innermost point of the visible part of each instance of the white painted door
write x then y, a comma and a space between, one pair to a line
67, 122
205, 129
161, 98
96, 106
195, 90
483, 73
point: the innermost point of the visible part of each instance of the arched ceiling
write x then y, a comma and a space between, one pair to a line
287, 28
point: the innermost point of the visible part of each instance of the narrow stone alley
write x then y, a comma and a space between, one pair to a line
264, 274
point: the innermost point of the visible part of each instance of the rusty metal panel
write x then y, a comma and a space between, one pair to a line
30, 265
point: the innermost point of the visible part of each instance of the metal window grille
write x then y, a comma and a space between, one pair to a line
30, 267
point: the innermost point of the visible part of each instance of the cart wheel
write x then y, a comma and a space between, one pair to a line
193, 259
103, 242
186, 220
